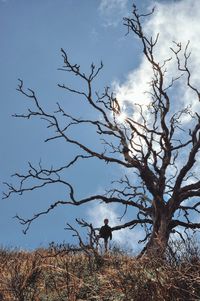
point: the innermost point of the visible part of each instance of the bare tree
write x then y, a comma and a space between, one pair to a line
150, 148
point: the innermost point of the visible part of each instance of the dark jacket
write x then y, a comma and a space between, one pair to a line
106, 232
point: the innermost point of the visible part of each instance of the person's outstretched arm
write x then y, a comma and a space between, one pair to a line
110, 234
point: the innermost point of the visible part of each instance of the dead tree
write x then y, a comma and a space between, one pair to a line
151, 147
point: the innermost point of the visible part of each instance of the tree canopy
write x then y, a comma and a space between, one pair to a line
156, 144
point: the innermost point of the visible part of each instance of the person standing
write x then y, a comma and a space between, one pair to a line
105, 233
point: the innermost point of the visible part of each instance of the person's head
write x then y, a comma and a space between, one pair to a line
106, 221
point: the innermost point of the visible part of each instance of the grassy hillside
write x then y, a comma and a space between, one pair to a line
54, 274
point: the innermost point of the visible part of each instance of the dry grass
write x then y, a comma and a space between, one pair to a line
42, 276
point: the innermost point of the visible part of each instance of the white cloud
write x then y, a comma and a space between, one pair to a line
126, 238
174, 21
110, 5
113, 11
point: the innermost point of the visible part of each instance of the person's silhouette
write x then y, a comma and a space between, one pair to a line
105, 233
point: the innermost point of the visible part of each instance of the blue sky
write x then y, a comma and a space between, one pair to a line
32, 33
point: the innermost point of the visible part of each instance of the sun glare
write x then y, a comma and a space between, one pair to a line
121, 118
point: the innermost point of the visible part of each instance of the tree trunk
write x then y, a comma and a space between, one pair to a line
158, 241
